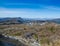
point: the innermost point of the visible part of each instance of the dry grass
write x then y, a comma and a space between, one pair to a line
47, 35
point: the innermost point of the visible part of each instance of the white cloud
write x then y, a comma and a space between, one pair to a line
29, 13
52, 7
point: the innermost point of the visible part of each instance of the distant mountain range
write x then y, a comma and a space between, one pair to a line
11, 20
20, 20
57, 20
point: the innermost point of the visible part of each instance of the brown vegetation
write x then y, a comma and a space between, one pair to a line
47, 35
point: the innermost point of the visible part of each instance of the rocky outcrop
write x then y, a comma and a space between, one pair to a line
19, 41
11, 40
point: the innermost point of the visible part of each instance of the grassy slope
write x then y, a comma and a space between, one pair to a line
47, 35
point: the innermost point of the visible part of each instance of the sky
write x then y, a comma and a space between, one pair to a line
30, 8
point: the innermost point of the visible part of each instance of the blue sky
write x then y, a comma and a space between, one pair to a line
30, 8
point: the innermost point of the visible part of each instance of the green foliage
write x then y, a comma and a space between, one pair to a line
35, 36
45, 40
17, 34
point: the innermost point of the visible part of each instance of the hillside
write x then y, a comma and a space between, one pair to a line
57, 20
18, 20
44, 32
8, 21
47, 34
